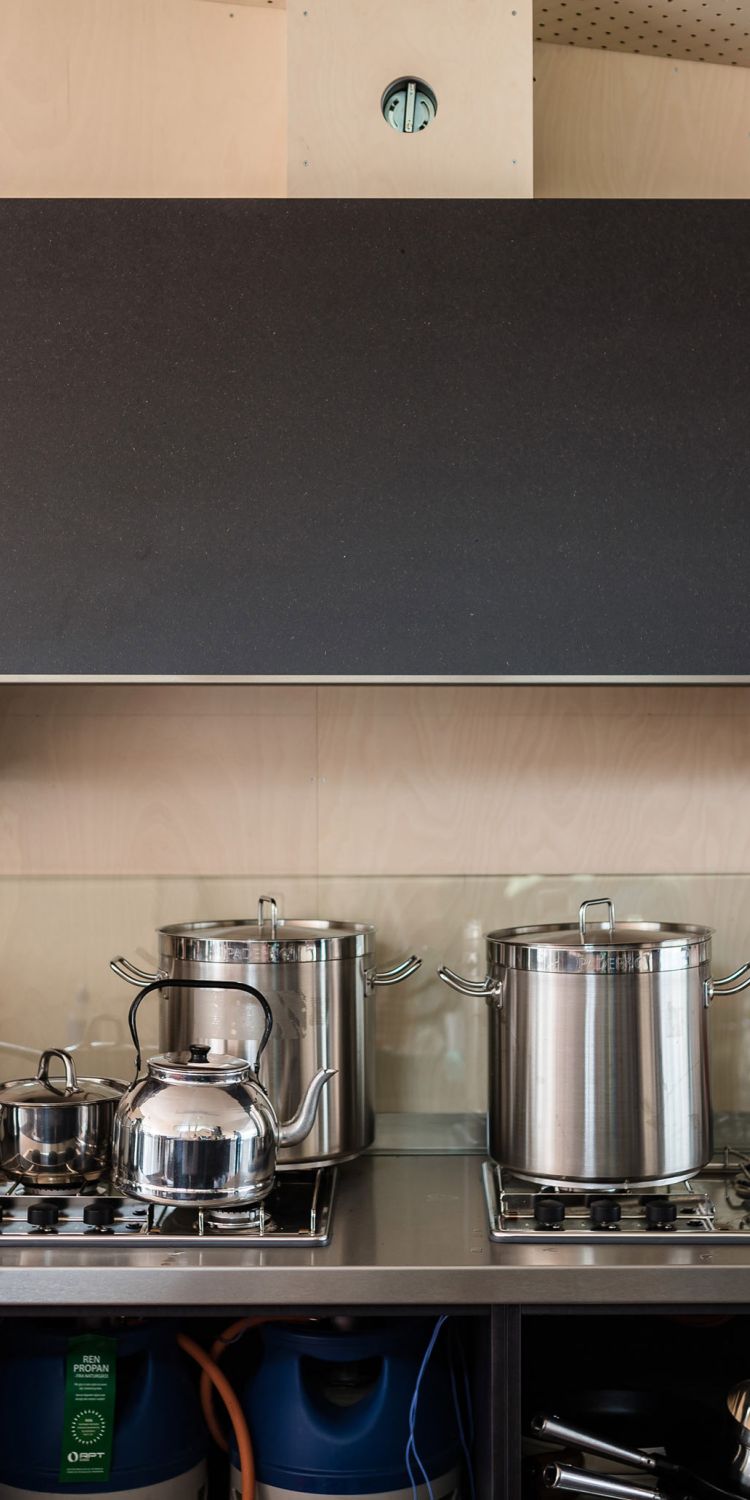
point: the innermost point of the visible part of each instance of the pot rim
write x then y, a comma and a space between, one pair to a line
682, 946
71, 1101
307, 940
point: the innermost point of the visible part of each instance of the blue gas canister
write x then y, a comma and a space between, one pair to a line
136, 1432
328, 1411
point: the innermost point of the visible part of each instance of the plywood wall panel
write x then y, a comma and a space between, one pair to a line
142, 98
158, 792
475, 54
540, 791
361, 782
612, 125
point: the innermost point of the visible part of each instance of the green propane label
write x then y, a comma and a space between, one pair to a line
88, 1423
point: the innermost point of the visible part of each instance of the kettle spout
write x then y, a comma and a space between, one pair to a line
301, 1123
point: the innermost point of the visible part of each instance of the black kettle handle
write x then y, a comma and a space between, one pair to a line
199, 984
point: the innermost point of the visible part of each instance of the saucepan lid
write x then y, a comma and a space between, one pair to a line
267, 939
601, 947
70, 1089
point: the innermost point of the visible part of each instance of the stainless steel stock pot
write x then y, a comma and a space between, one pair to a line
319, 979
598, 1049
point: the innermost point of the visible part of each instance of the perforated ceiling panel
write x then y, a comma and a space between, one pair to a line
716, 31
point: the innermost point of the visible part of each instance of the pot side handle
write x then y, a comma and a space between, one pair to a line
489, 989
727, 986
400, 971
564, 1477
123, 968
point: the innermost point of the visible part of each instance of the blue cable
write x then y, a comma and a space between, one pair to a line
467, 1393
411, 1446
459, 1421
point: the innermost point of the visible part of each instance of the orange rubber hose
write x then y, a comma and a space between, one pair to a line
218, 1348
236, 1415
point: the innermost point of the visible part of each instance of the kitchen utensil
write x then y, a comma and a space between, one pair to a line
55, 1133
199, 1129
738, 1403
668, 1481
319, 978
598, 1049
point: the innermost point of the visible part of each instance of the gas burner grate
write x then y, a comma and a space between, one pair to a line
298, 1211
717, 1202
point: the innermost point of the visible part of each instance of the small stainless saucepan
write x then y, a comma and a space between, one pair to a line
57, 1132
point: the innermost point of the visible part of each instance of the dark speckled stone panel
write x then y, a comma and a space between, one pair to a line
376, 437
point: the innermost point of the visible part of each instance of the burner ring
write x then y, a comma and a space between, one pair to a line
230, 1220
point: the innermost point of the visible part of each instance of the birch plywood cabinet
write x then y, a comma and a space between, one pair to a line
230, 98
142, 98
474, 54
626, 126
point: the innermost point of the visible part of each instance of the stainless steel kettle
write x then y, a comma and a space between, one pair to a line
199, 1129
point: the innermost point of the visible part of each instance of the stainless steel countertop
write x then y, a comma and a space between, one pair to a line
408, 1231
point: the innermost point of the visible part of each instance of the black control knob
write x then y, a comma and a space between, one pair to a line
43, 1215
549, 1211
100, 1214
604, 1212
661, 1213
199, 1053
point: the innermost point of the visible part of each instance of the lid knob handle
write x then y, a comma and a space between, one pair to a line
42, 1072
199, 1052
269, 901
583, 912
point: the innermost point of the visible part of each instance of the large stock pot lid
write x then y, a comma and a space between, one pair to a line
268, 939
596, 947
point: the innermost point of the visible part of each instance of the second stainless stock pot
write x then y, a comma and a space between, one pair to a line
319, 979
598, 1049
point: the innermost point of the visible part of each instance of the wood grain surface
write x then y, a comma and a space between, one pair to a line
476, 55
367, 781
142, 98
608, 125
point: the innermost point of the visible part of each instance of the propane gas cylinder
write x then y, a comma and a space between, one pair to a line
111, 1411
328, 1411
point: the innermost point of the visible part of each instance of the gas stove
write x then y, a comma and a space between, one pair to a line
717, 1202
298, 1211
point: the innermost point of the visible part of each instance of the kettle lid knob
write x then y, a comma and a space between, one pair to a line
199, 1053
